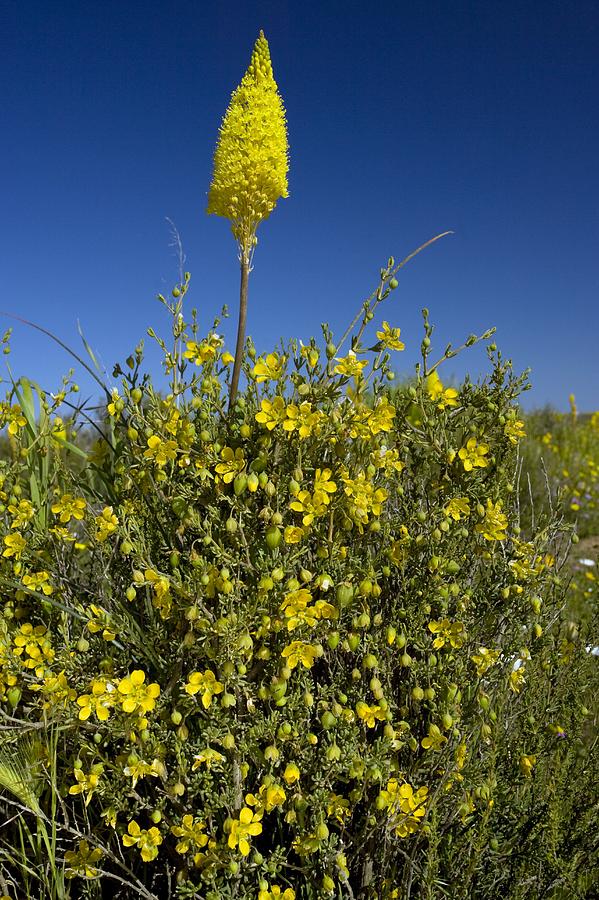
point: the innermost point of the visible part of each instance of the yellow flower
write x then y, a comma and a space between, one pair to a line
338, 808
293, 534
38, 581
297, 609
116, 405
323, 486
517, 679
87, 784
251, 157
106, 524
298, 612
493, 527
247, 825
269, 369
447, 632
81, 862
514, 430
389, 338
269, 797
191, 832
406, 807
203, 352
140, 768
444, 397
275, 893
381, 417
33, 646
349, 366
298, 651
233, 461
206, 683
69, 507
55, 690
100, 701
457, 507
15, 544
473, 455
370, 714
291, 774
365, 499
22, 514
161, 599
147, 841
136, 696
527, 763
99, 620
14, 416
303, 419
209, 757
573, 407
310, 506
160, 451
272, 412
434, 739
388, 460
311, 354
484, 659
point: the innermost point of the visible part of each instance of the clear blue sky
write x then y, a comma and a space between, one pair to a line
405, 119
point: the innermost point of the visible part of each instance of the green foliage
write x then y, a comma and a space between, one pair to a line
307, 644
560, 469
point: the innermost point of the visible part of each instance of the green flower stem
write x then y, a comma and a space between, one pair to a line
243, 304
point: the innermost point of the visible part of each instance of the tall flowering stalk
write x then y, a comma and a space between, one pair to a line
250, 170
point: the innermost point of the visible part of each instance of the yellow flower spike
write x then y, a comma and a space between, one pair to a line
251, 158
251, 162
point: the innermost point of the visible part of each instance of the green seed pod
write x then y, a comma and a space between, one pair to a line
328, 720
14, 695
333, 640
322, 832
353, 640
344, 595
273, 537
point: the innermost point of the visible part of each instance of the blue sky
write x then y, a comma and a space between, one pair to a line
404, 120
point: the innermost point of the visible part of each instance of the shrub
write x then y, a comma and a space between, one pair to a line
276, 647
